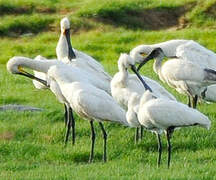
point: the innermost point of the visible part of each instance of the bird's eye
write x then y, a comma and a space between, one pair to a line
142, 54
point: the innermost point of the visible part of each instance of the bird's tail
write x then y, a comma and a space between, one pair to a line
210, 74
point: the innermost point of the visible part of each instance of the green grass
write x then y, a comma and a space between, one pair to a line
31, 144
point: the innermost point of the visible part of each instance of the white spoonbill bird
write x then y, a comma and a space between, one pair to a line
187, 50
158, 114
124, 84
15, 66
67, 54
40, 67
90, 103
186, 77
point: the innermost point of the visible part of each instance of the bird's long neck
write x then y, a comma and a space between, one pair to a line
37, 65
158, 64
168, 47
62, 47
123, 73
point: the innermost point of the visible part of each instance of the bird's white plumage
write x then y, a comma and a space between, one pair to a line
159, 114
90, 102
124, 84
169, 48
65, 24
40, 75
133, 107
194, 52
185, 76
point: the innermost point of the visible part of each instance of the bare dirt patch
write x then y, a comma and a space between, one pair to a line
6, 135
150, 19
211, 11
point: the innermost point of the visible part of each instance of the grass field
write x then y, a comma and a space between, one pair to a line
31, 144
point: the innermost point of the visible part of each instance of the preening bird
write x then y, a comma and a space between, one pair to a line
15, 66
124, 84
90, 103
40, 79
187, 50
186, 77
169, 48
158, 115
67, 54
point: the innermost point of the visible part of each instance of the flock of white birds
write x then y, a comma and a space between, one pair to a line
84, 87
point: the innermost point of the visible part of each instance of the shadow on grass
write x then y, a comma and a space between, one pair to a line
25, 24
84, 157
8, 9
12, 100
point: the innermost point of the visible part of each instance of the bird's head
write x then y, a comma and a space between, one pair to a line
14, 66
155, 53
138, 53
125, 61
65, 30
65, 25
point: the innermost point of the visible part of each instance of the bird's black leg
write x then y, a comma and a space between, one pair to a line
105, 141
65, 114
141, 132
72, 125
93, 142
68, 125
169, 134
136, 135
159, 149
189, 101
195, 98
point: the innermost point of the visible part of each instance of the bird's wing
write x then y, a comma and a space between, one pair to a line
137, 86
159, 90
182, 70
97, 104
210, 94
194, 52
93, 64
165, 113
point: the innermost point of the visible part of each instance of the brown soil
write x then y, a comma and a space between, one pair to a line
211, 11
152, 19
6, 136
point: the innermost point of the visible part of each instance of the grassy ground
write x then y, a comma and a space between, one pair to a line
31, 144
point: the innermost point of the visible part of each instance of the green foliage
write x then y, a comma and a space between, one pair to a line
24, 24
203, 14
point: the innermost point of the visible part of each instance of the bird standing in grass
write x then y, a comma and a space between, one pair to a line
15, 66
187, 50
186, 77
158, 115
90, 103
78, 59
